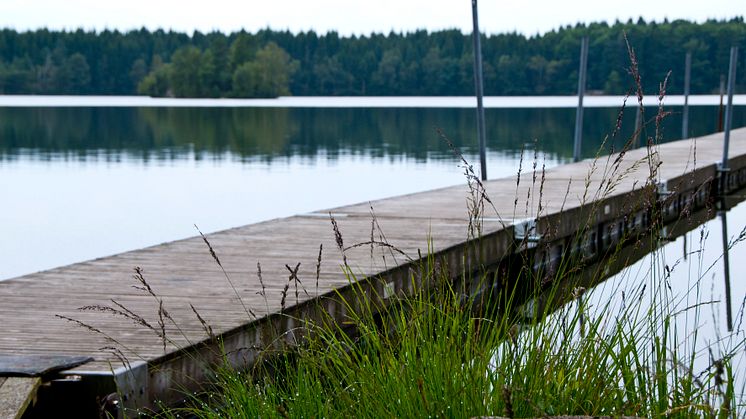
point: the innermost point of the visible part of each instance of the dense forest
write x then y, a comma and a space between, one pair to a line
274, 63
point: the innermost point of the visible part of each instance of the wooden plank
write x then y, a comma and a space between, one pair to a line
16, 394
38, 365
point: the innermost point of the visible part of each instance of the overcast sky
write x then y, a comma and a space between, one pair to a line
348, 16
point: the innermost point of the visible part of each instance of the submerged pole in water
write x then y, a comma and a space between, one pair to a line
687, 82
581, 93
729, 106
479, 91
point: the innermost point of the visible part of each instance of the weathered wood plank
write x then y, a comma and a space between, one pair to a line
16, 394
34, 366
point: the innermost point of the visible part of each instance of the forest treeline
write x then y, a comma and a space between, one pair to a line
273, 63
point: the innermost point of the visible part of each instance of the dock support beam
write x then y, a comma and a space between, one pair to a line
581, 93
479, 91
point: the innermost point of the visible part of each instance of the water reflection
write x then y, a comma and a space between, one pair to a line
727, 245
691, 288
268, 133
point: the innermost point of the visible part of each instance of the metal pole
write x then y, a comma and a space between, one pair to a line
726, 268
479, 91
720, 109
638, 127
581, 92
687, 81
729, 107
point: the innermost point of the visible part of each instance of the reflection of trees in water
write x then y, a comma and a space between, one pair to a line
63, 130
247, 132
265, 133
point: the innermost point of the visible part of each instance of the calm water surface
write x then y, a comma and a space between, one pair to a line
686, 279
84, 182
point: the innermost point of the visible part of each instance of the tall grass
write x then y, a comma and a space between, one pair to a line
432, 354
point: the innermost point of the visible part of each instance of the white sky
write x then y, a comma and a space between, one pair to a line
348, 16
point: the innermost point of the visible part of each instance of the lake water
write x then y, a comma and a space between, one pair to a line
90, 180
686, 280
93, 177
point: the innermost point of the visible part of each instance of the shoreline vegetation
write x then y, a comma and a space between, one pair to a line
279, 63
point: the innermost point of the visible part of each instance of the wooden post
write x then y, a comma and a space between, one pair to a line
479, 91
581, 92
16, 395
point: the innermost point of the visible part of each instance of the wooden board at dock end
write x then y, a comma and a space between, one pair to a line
16, 394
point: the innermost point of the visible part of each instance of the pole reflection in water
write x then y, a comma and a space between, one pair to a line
726, 267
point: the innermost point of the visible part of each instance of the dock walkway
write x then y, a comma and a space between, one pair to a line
184, 272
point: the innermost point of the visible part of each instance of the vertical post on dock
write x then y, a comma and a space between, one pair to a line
729, 106
638, 127
720, 109
687, 82
479, 91
581, 93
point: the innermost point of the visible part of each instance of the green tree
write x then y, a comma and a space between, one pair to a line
138, 71
242, 49
46, 76
387, 77
268, 75
332, 78
74, 75
184, 77
219, 50
156, 83
16, 77
420, 62
246, 80
613, 84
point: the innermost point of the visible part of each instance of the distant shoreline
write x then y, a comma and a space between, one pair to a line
27, 101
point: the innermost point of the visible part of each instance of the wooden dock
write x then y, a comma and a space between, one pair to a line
184, 272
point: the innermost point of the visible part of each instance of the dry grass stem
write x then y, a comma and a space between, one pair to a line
205, 326
318, 268
214, 255
338, 239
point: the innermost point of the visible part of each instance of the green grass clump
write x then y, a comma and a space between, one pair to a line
437, 353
